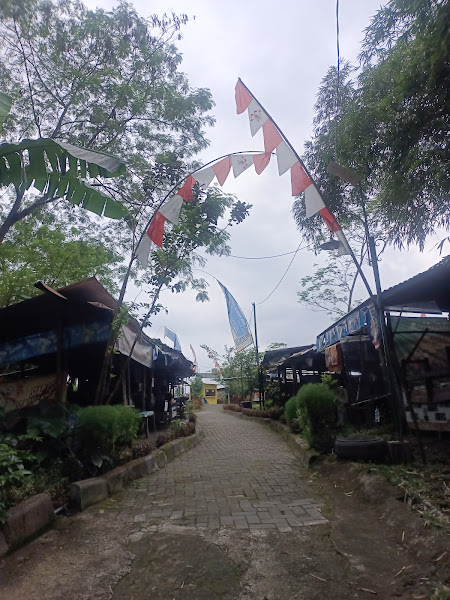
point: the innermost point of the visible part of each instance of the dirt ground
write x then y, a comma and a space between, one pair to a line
373, 545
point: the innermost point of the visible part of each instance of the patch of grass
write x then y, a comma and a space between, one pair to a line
425, 488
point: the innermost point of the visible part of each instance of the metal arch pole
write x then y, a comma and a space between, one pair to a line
260, 377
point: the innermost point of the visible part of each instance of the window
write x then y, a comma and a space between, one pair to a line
210, 392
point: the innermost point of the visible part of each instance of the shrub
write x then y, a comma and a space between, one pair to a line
15, 481
100, 428
317, 415
291, 409
142, 449
275, 412
232, 407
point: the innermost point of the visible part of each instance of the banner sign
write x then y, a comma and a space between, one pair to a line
238, 323
364, 316
15, 395
173, 337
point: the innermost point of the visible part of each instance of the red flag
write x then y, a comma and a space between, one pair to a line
330, 220
156, 230
272, 136
186, 191
299, 179
261, 161
222, 168
243, 97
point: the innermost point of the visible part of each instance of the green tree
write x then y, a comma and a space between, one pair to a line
38, 248
196, 388
331, 287
106, 81
239, 372
389, 124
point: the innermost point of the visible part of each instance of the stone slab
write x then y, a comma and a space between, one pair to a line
28, 518
88, 491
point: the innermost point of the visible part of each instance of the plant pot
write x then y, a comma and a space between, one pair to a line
369, 449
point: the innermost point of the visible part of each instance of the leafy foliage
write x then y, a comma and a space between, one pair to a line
196, 388
330, 288
101, 428
239, 372
13, 474
390, 125
291, 409
317, 415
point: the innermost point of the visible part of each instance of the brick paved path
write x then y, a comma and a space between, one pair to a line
242, 475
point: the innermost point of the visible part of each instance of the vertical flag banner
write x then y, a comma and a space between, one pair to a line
173, 337
238, 323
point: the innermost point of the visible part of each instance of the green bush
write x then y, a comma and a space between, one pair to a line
15, 479
101, 428
317, 415
291, 409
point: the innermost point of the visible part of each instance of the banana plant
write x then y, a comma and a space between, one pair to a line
57, 170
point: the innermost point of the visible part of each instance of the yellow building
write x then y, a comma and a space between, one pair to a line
210, 392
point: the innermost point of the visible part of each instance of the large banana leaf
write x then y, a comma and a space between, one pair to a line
5, 107
58, 169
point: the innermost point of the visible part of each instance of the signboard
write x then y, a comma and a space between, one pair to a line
15, 395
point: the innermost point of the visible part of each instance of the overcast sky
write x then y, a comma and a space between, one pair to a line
281, 50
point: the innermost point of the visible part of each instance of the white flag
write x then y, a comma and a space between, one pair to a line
344, 248
143, 250
285, 158
256, 116
204, 177
240, 163
313, 200
172, 208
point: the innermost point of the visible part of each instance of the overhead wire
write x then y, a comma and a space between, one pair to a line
283, 276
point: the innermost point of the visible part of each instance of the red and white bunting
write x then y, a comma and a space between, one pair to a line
256, 117
272, 136
222, 169
299, 179
154, 234
143, 250
172, 208
313, 201
330, 220
243, 97
285, 158
186, 191
156, 230
240, 163
261, 161
344, 248
204, 176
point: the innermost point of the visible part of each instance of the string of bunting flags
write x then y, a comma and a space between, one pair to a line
287, 160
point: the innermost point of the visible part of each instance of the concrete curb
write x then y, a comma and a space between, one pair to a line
25, 521
295, 442
29, 518
86, 492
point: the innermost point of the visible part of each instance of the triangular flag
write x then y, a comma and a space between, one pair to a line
344, 248
272, 136
222, 168
313, 200
172, 208
261, 161
156, 230
243, 97
256, 116
241, 162
285, 158
299, 179
143, 250
204, 176
330, 220
186, 191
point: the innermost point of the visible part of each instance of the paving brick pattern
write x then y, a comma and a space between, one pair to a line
242, 475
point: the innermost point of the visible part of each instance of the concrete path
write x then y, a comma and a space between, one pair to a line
242, 475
